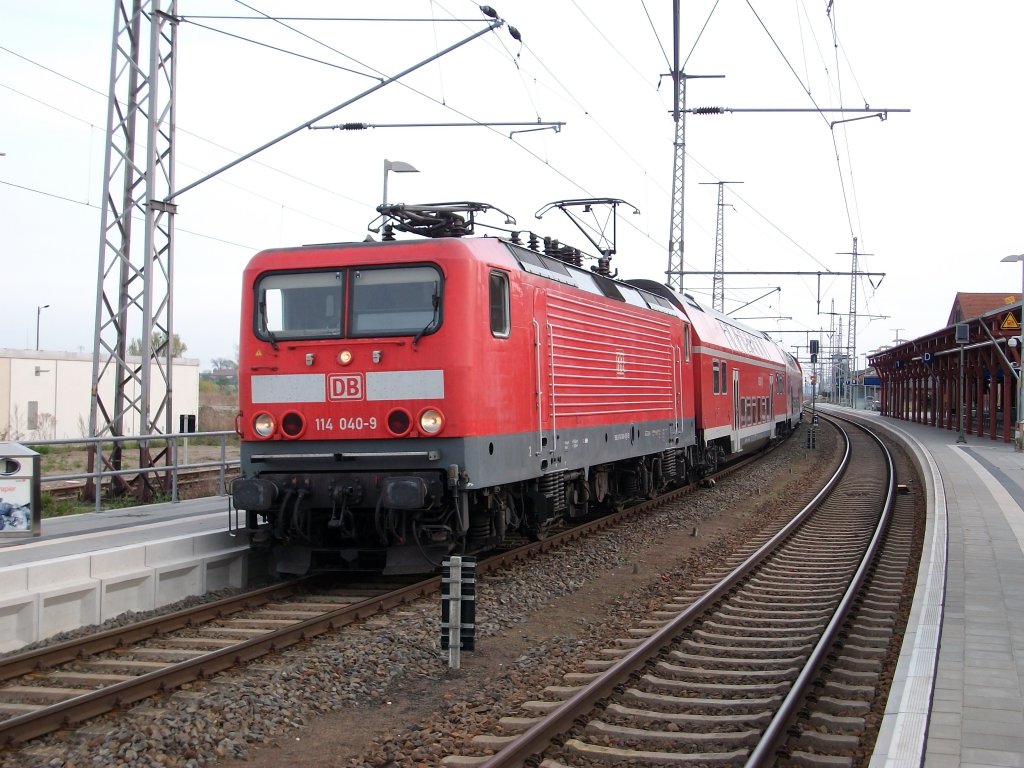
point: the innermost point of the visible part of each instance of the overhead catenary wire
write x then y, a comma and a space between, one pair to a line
588, 113
548, 163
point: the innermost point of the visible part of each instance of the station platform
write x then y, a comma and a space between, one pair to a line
958, 694
84, 569
94, 531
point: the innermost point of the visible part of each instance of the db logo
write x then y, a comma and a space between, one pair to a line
345, 386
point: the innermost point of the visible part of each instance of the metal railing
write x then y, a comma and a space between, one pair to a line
177, 446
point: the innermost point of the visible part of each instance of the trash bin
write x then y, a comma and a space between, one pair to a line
20, 510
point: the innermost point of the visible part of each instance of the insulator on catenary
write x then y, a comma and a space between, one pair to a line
709, 111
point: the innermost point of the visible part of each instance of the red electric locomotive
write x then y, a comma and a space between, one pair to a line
404, 400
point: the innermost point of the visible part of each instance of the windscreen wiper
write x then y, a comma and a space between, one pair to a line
435, 300
266, 325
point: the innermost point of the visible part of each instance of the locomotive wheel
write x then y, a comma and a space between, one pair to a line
645, 480
538, 516
577, 498
537, 533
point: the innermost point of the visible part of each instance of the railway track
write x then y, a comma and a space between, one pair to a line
779, 654
65, 685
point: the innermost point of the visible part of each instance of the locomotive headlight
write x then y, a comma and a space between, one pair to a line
344, 357
263, 425
431, 421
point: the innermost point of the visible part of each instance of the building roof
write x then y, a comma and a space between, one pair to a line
967, 306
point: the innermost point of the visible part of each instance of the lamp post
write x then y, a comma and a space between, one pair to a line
39, 311
398, 167
1019, 438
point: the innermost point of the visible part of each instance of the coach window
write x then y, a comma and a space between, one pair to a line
715, 386
501, 322
725, 378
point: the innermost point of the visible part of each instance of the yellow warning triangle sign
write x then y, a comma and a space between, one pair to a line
1010, 324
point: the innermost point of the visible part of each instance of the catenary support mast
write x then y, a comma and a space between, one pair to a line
133, 394
674, 272
718, 279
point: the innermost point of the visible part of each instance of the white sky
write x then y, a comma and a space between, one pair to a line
934, 195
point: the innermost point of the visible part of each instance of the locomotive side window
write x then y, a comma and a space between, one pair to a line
299, 305
541, 265
394, 301
586, 281
501, 322
686, 341
632, 296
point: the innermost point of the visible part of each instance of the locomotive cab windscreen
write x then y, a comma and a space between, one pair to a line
385, 301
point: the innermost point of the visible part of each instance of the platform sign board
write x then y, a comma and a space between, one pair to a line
20, 510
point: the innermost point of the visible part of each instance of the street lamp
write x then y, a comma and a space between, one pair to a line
398, 167
39, 311
1020, 367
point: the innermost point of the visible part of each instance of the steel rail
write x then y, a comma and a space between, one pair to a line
562, 718
73, 711
75, 649
765, 753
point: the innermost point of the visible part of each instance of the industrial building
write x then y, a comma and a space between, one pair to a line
47, 395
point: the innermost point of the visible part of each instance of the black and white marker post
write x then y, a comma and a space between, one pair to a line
458, 607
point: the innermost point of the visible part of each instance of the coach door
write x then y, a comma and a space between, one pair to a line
735, 437
544, 371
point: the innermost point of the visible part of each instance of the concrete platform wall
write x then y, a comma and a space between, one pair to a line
46, 598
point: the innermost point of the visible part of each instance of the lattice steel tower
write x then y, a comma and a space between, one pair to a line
675, 236
851, 325
718, 280
134, 286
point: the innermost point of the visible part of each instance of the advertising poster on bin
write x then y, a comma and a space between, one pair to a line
19, 491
